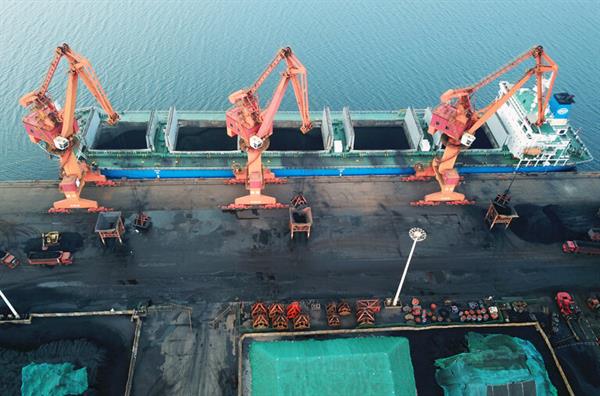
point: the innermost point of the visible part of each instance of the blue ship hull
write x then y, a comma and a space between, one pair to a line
227, 173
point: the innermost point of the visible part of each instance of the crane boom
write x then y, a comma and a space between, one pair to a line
54, 129
254, 126
79, 67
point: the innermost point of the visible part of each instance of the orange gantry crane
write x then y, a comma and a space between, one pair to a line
55, 129
458, 120
254, 126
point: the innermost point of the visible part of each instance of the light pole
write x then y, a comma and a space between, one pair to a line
417, 235
15, 314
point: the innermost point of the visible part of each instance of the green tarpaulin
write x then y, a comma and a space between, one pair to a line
495, 364
345, 366
53, 380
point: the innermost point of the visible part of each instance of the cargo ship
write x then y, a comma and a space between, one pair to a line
194, 144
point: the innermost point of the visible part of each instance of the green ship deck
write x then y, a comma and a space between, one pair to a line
386, 141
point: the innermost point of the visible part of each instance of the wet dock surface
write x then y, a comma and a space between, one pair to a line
197, 256
360, 232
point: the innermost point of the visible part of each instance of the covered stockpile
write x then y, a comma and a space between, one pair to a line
342, 366
495, 364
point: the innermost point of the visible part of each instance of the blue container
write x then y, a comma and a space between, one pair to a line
560, 104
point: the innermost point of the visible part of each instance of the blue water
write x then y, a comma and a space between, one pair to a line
368, 55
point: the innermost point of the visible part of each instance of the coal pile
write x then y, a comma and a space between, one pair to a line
101, 344
380, 138
582, 364
482, 140
291, 139
545, 224
69, 242
196, 138
122, 136
81, 353
299, 217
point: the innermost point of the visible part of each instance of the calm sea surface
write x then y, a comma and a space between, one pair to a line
364, 54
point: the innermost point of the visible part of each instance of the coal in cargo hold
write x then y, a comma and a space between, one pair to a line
201, 136
125, 135
291, 139
380, 137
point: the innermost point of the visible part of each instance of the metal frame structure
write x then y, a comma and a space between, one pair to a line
458, 120
55, 129
253, 125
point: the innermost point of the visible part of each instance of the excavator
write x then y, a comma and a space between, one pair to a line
55, 129
457, 119
254, 126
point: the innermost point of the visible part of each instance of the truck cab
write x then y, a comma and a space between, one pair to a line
569, 247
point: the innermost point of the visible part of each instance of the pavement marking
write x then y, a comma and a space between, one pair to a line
61, 284
157, 265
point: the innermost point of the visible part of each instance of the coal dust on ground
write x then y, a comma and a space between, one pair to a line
545, 224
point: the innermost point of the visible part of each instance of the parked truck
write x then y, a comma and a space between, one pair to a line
581, 247
57, 257
8, 259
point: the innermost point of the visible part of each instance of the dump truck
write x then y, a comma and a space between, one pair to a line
51, 258
581, 247
8, 259
300, 215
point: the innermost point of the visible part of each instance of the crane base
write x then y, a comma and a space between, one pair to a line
69, 210
272, 180
424, 202
239, 207
67, 205
414, 178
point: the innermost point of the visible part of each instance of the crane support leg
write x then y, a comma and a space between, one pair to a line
447, 177
255, 178
76, 175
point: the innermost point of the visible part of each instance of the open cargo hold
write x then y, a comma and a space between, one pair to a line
123, 136
204, 136
135, 132
287, 137
380, 136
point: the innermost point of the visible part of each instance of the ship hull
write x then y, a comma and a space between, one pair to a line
178, 173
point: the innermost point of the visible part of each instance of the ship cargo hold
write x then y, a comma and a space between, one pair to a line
194, 144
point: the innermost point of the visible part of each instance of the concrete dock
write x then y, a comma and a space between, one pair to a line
200, 257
